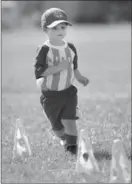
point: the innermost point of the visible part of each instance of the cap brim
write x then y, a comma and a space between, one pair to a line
55, 23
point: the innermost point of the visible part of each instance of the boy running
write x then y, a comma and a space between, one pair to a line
55, 69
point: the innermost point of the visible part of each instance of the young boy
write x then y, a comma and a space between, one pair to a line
55, 69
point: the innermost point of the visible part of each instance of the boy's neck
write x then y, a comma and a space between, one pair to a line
57, 42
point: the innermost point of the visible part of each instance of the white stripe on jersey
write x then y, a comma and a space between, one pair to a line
49, 81
62, 82
50, 58
63, 74
72, 53
72, 75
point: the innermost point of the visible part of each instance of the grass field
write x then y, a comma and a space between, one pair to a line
105, 58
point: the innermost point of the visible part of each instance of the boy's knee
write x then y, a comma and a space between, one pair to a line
70, 127
59, 133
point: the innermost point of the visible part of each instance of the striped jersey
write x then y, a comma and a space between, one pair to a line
49, 56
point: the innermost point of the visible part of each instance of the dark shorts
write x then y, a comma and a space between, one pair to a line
60, 105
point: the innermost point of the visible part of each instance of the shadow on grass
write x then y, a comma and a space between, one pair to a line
106, 155
101, 155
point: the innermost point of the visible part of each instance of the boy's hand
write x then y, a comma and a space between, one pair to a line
63, 65
83, 80
39, 82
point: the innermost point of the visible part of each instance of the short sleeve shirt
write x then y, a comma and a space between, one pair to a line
49, 56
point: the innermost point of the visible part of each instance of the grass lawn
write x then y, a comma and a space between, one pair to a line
105, 58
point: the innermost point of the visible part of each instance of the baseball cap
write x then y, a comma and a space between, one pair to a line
52, 17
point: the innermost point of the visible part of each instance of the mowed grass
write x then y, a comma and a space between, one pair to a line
105, 105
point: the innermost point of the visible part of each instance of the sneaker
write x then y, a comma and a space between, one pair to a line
62, 142
71, 148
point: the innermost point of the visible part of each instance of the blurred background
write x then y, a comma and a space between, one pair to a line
21, 13
101, 32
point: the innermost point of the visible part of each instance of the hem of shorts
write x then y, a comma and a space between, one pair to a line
70, 118
50, 93
68, 145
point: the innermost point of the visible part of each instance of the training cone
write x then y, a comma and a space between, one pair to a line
120, 167
86, 162
21, 143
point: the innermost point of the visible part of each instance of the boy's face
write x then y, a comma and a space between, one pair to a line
58, 32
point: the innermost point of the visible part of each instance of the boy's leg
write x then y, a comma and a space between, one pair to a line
70, 135
52, 108
60, 133
69, 118
70, 131
61, 111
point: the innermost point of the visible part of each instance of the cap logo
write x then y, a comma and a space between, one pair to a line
58, 14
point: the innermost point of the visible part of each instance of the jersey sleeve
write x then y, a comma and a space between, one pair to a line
40, 61
75, 59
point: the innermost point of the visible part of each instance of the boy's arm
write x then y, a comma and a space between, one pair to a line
55, 69
83, 80
77, 74
40, 61
50, 71
41, 66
